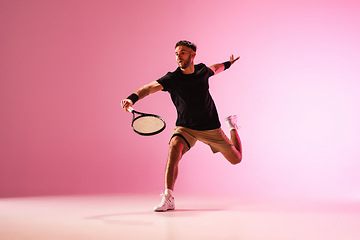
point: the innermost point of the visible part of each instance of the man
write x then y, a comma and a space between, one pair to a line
197, 116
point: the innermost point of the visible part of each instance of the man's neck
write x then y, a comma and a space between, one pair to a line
189, 70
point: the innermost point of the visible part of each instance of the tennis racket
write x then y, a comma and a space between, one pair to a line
146, 124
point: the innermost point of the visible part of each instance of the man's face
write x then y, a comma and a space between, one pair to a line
184, 56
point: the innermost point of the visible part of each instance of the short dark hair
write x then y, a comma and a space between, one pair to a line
187, 44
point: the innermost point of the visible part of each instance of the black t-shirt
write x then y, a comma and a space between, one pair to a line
190, 94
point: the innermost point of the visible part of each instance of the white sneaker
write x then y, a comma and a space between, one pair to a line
167, 203
231, 122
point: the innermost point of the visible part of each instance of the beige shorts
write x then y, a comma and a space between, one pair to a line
216, 138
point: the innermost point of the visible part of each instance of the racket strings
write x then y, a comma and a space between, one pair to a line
148, 124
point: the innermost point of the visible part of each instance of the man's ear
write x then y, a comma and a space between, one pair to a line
193, 54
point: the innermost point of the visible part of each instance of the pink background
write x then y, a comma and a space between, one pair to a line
66, 65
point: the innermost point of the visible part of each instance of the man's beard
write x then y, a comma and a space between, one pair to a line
186, 63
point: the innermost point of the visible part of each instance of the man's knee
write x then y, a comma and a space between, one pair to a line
178, 144
237, 160
234, 157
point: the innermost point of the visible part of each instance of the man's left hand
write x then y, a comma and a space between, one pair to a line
232, 60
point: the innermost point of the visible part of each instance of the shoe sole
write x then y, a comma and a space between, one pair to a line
170, 209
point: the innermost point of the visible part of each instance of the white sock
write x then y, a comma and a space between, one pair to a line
231, 127
168, 192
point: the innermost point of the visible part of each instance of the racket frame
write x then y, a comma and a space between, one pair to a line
145, 115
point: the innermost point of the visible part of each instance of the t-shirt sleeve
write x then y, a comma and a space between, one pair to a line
211, 72
166, 82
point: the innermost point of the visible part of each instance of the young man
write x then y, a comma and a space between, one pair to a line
197, 117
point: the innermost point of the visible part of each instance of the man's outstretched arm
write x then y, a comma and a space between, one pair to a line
142, 92
219, 67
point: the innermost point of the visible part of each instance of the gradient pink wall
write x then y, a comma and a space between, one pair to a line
66, 65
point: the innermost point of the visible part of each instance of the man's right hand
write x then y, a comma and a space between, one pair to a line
126, 103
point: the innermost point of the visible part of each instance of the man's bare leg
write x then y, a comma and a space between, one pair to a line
235, 139
177, 149
234, 156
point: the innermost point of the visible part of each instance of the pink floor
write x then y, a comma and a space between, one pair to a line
131, 217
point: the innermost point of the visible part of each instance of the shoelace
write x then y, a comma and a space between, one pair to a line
165, 199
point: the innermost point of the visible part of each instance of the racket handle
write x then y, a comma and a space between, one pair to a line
129, 109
